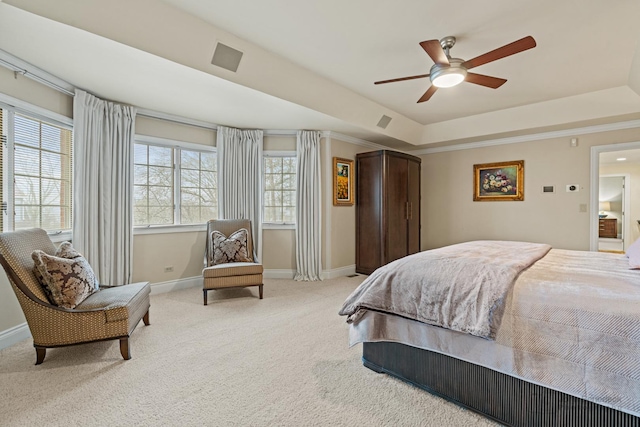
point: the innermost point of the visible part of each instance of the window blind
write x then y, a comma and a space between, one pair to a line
42, 172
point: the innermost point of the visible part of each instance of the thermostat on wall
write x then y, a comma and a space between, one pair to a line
573, 188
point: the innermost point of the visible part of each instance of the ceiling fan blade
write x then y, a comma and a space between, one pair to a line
482, 80
428, 94
421, 76
501, 52
435, 51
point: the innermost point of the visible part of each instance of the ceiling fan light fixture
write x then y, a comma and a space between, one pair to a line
448, 75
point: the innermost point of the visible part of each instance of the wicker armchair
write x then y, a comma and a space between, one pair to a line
112, 313
234, 274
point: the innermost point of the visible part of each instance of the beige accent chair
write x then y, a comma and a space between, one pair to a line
110, 314
234, 274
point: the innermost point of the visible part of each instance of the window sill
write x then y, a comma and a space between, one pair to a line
272, 226
167, 229
60, 236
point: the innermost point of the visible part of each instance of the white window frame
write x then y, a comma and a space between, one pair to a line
276, 225
12, 106
176, 146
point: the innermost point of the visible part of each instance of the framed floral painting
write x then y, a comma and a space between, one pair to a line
503, 181
343, 190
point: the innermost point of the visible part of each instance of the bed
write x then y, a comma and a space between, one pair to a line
557, 342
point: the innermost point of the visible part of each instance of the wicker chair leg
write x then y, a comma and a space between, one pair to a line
41, 352
145, 318
124, 348
260, 290
204, 294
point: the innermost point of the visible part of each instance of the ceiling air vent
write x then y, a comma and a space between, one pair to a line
226, 57
384, 122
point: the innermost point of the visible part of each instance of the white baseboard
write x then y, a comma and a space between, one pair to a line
14, 335
325, 275
339, 272
175, 285
273, 273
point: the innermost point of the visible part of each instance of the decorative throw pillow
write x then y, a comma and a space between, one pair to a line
633, 253
67, 280
230, 249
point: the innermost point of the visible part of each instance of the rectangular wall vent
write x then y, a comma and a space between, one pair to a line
226, 57
548, 189
384, 122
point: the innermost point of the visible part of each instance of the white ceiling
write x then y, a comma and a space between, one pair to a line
312, 64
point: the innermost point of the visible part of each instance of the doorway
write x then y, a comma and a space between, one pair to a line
611, 214
614, 210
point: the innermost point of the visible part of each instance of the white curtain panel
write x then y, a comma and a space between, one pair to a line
102, 180
240, 179
308, 207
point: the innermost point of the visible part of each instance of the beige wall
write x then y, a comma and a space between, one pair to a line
176, 131
343, 218
633, 170
449, 214
25, 89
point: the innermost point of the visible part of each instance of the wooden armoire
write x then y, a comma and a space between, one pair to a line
387, 208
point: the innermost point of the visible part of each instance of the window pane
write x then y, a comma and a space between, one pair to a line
190, 198
160, 215
51, 192
140, 195
140, 154
190, 159
27, 217
160, 156
52, 165
289, 214
279, 189
289, 182
27, 131
140, 215
289, 165
51, 138
27, 190
160, 196
288, 198
190, 178
208, 179
27, 161
160, 175
140, 175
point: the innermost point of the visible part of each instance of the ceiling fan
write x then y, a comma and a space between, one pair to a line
448, 71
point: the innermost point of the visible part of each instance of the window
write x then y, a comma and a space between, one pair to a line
36, 172
279, 189
174, 185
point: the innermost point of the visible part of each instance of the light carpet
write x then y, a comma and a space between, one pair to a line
280, 361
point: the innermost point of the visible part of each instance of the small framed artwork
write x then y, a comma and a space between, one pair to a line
502, 181
343, 189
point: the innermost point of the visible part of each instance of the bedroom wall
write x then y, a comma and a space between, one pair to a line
343, 218
633, 169
449, 214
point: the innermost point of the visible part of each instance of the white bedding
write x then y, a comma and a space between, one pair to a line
571, 323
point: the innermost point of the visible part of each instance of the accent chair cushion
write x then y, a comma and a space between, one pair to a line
230, 249
67, 278
232, 269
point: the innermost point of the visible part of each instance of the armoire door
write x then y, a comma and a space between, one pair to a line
413, 236
397, 175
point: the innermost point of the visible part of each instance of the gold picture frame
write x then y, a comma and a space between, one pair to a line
343, 188
501, 181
